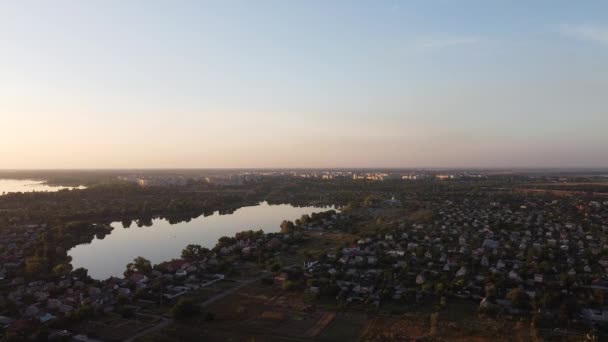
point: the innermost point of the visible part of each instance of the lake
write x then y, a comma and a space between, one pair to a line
27, 185
164, 241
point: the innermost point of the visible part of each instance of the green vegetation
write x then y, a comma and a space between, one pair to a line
139, 265
185, 309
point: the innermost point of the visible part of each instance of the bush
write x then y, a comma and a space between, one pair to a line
126, 312
122, 299
267, 281
185, 308
288, 285
82, 313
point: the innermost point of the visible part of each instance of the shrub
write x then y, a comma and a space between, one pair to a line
126, 312
288, 285
185, 308
266, 281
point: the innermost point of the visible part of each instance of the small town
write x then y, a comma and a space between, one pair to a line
540, 259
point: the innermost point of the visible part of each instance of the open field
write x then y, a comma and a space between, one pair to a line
258, 312
115, 328
347, 326
266, 313
602, 184
561, 192
315, 244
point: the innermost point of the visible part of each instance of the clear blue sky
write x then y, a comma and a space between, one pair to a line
87, 84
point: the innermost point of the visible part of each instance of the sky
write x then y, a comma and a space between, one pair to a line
232, 84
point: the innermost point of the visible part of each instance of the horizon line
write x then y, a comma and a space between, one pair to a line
598, 168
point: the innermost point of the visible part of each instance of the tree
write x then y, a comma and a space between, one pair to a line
126, 223
194, 252
287, 226
139, 265
35, 265
225, 241
126, 312
249, 235
330, 290
288, 285
370, 201
568, 309
439, 287
305, 219
61, 269
275, 267
185, 308
80, 273
82, 313
122, 300
519, 298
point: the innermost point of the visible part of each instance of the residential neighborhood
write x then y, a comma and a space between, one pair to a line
532, 258
432, 257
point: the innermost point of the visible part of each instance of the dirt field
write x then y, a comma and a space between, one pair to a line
266, 313
257, 312
115, 328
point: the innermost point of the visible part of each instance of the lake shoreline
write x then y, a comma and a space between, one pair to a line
159, 240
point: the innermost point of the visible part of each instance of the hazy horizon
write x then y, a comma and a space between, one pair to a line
4, 172
271, 84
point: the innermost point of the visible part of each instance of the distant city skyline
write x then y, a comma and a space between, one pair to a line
311, 84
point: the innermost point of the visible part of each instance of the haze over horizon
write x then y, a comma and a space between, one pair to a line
265, 84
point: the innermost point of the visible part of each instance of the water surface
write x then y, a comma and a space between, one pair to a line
27, 185
163, 241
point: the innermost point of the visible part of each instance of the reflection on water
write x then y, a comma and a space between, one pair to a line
27, 185
160, 240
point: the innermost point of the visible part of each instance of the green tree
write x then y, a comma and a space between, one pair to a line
305, 219
276, 267
61, 269
36, 265
194, 252
185, 308
139, 265
225, 241
439, 287
80, 273
288, 285
567, 309
126, 223
287, 226
519, 298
